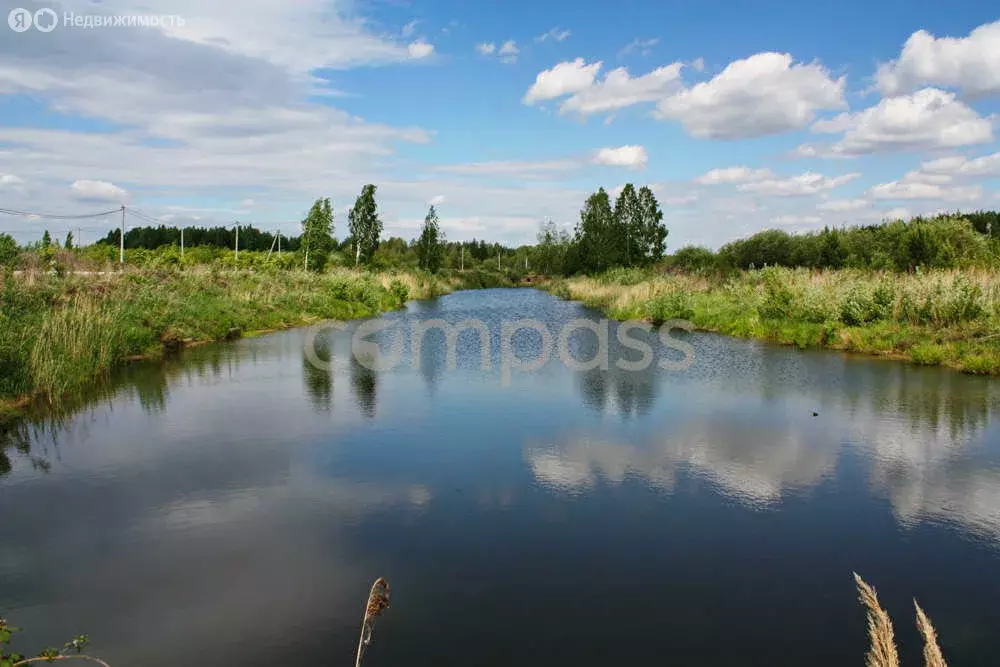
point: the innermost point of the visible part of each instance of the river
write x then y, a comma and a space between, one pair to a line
232, 506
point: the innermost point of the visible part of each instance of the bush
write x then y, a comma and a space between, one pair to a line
8, 251
399, 290
778, 298
862, 306
665, 306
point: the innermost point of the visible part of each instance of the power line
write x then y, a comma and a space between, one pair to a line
52, 216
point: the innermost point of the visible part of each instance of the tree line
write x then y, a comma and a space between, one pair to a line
944, 241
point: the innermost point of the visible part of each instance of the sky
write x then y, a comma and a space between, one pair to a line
741, 116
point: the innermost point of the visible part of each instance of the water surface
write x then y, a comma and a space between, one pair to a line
235, 505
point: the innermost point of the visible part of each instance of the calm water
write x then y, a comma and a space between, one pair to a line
236, 504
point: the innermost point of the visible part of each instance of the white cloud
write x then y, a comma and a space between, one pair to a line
436, 200
912, 189
420, 49
509, 167
641, 46
555, 34
10, 180
959, 166
632, 157
809, 183
732, 175
763, 94
928, 119
698, 64
844, 205
97, 191
969, 64
302, 36
564, 78
619, 90
508, 52
247, 203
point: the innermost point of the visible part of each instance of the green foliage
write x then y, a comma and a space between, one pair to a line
365, 225
623, 276
9, 251
399, 290
430, 250
693, 259
317, 234
68, 245
652, 233
672, 305
778, 297
10, 659
46, 239
598, 236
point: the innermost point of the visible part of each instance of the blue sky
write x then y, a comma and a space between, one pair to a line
741, 116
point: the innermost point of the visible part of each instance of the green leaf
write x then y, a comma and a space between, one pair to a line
4, 636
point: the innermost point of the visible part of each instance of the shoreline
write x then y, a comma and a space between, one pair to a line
705, 303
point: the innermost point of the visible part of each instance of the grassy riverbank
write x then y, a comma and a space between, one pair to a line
948, 318
60, 333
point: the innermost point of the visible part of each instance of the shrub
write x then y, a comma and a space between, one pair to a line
778, 298
672, 305
8, 250
399, 290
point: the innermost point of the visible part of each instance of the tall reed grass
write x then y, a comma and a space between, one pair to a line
59, 333
949, 318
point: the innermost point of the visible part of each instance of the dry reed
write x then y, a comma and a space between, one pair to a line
932, 652
378, 601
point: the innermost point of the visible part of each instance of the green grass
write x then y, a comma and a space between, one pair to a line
59, 334
938, 318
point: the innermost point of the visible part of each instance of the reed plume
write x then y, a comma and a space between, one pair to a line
882, 652
378, 601
932, 652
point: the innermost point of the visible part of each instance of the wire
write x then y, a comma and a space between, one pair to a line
143, 216
52, 216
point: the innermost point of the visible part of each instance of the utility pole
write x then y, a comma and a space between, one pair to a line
237, 245
463, 258
499, 252
279, 243
121, 250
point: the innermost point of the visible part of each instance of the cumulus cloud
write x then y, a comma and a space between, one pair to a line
420, 49
969, 64
565, 78
97, 191
588, 95
764, 94
486, 48
809, 183
732, 175
958, 166
926, 120
916, 189
632, 157
619, 90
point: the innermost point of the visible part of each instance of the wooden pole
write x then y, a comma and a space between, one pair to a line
121, 250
